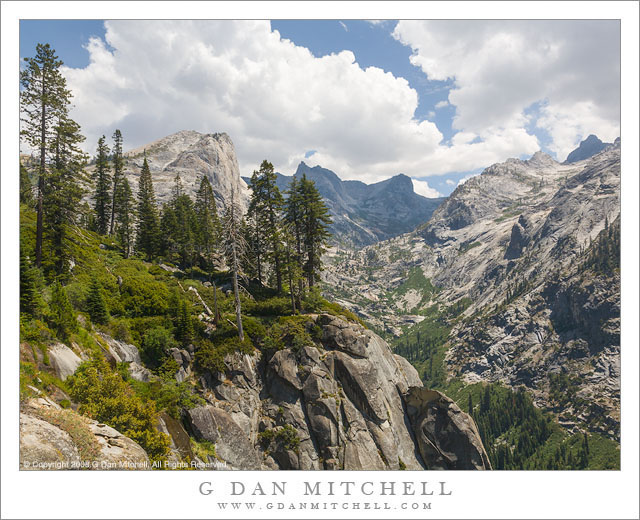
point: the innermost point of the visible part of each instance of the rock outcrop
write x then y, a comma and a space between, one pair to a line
344, 401
509, 247
191, 155
52, 438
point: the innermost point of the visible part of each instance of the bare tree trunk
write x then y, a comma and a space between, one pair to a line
236, 294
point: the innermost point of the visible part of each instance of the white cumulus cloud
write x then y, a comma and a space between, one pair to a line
500, 68
423, 188
275, 99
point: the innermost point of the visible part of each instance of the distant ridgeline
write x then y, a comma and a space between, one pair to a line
362, 213
512, 286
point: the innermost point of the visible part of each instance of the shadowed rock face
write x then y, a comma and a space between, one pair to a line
587, 148
362, 213
340, 404
447, 437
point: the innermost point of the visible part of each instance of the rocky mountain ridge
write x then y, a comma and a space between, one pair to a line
191, 155
364, 214
509, 247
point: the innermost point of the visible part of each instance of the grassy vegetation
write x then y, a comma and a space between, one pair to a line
466, 246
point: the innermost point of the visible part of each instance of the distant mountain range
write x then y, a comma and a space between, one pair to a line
588, 148
362, 213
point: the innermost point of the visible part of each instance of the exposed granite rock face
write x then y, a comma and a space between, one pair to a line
447, 437
44, 443
191, 155
121, 352
339, 404
64, 361
510, 242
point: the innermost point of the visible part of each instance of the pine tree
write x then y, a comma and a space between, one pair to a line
147, 236
292, 268
293, 218
315, 229
118, 175
96, 306
61, 315
208, 221
265, 209
235, 249
102, 198
26, 188
44, 101
30, 299
125, 216
63, 192
184, 326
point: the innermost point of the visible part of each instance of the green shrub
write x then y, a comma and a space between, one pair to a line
276, 306
119, 329
34, 331
140, 293
210, 356
155, 346
286, 438
168, 395
293, 332
104, 396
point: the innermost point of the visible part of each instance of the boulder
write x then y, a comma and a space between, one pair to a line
446, 436
64, 361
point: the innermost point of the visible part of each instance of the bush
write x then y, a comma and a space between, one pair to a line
34, 331
210, 357
155, 346
276, 306
168, 395
275, 440
104, 396
291, 332
119, 329
140, 293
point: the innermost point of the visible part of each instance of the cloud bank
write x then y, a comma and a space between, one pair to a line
277, 101
561, 76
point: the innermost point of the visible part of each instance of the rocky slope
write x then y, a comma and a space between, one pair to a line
191, 155
362, 213
52, 438
509, 247
344, 402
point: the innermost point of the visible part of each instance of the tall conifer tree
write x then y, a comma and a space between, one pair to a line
125, 216
44, 101
147, 236
118, 167
102, 198
265, 209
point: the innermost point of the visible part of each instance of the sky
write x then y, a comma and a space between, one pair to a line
436, 100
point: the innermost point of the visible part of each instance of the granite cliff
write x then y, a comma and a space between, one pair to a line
511, 251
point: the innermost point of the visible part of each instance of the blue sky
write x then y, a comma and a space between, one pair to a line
439, 117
